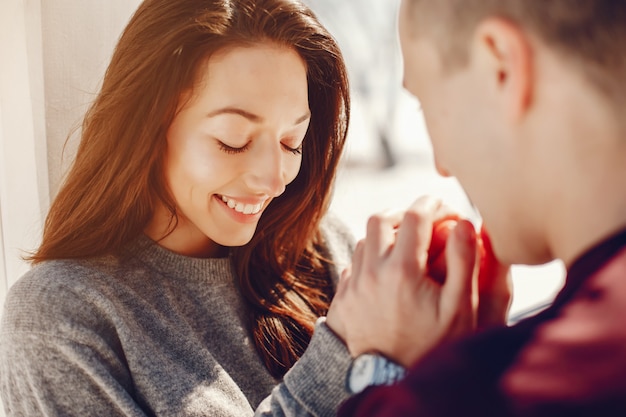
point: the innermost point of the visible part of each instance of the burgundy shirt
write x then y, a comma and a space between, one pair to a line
569, 360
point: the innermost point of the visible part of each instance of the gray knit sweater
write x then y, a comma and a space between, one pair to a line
154, 334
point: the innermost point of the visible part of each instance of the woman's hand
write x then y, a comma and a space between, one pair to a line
387, 302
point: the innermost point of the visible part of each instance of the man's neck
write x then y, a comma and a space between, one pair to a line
593, 206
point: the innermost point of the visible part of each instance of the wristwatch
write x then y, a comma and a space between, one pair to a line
372, 369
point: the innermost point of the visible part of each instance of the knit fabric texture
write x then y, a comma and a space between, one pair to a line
154, 333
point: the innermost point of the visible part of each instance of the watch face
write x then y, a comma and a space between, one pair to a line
361, 374
371, 369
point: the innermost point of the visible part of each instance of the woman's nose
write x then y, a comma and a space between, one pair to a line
266, 171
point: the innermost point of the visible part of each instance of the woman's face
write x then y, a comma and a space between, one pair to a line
234, 145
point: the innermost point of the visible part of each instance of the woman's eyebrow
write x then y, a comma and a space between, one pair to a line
237, 111
251, 116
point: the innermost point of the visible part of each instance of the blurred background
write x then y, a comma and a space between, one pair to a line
389, 163
53, 55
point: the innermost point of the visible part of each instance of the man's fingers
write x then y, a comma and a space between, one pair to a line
495, 287
458, 290
343, 282
381, 234
357, 261
415, 231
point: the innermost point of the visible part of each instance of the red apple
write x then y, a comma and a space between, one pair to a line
437, 253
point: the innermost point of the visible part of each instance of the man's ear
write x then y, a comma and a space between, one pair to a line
504, 51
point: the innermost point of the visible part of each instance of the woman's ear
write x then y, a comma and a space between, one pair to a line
503, 51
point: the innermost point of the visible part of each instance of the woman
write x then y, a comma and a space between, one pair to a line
185, 260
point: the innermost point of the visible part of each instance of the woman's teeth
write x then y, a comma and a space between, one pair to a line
241, 207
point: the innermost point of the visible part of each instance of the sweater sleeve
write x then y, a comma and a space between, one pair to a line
316, 385
53, 363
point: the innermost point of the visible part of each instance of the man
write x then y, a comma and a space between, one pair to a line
525, 102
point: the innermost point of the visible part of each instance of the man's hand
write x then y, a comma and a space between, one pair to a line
387, 303
495, 286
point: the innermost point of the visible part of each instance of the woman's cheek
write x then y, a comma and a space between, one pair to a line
200, 161
292, 169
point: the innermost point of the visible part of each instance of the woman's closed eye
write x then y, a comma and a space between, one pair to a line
235, 150
295, 151
232, 149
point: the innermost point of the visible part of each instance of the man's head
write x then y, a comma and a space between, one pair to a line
511, 90
592, 33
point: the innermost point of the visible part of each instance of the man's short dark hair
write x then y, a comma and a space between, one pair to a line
591, 33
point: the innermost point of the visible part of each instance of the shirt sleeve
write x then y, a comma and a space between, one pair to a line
578, 358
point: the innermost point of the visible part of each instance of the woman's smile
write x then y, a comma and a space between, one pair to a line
241, 211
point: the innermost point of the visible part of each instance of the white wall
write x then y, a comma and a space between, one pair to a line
24, 192
79, 37
57, 49
53, 54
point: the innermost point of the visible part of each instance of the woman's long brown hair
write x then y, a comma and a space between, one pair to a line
116, 180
